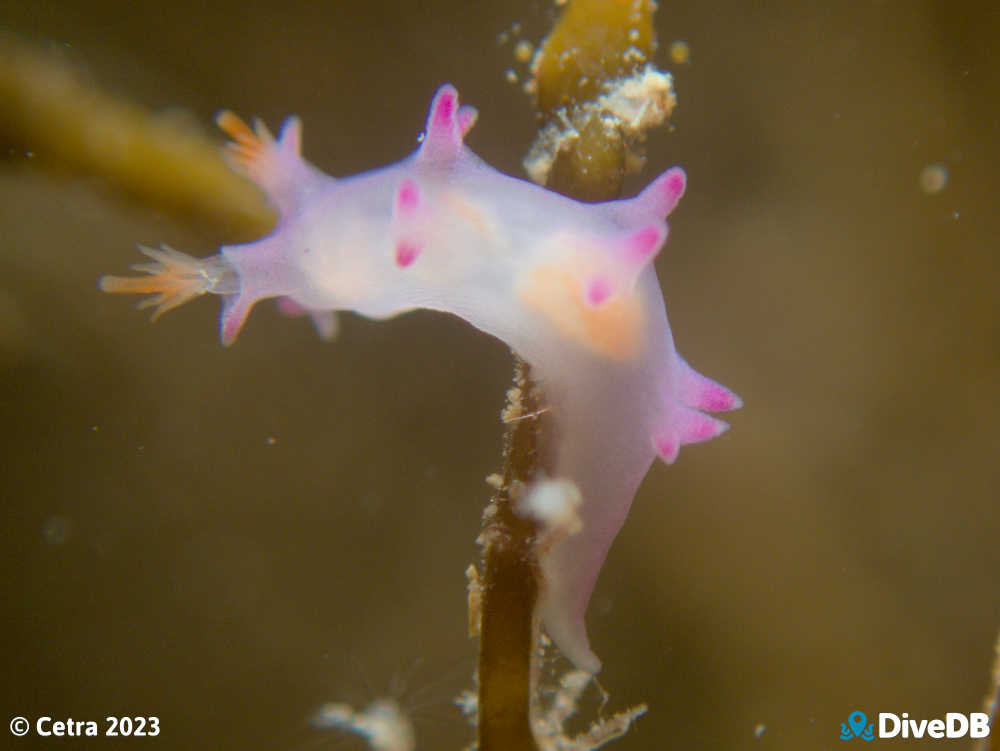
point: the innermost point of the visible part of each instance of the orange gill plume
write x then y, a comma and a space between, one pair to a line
173, 279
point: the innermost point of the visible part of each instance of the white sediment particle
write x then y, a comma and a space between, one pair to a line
555, 505
523, 51
634, 55
383, 724
549, 721
640, 102
633, 105
468, 704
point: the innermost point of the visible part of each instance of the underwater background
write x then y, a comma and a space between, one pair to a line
229, 538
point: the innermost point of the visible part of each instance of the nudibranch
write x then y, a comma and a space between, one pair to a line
569, 286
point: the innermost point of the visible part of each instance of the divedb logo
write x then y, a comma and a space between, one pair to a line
954, 725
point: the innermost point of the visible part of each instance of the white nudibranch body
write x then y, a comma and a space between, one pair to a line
569, 286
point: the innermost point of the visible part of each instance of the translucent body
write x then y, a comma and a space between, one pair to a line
569, 286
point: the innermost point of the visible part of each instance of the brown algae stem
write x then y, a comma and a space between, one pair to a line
594, 42
73, 126
509, 588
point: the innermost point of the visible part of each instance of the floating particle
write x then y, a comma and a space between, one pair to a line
933, 178
383, 724
504, 36
270, 440
523, 51
56, 530
759, 729
680, 52
510, 75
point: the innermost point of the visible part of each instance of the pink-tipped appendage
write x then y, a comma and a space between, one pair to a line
443, 136
699, 392
658, 200
694, 426
467, 116
667, 447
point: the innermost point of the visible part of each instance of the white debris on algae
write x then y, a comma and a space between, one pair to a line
631, 105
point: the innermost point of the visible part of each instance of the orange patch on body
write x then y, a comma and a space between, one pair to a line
469, 212
613, 329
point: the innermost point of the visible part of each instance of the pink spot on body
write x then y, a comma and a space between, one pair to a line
408, 197
643, 244
406, 253
598, 290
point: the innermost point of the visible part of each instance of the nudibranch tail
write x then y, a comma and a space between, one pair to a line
173, 279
